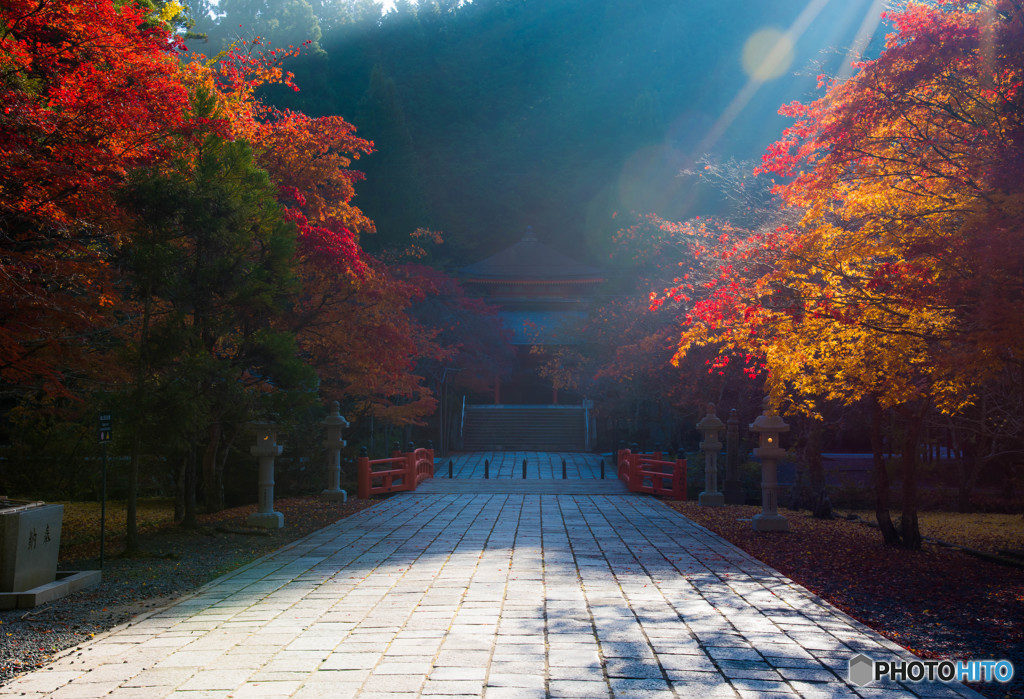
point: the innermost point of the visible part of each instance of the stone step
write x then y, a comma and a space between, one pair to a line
537, 428
521, 486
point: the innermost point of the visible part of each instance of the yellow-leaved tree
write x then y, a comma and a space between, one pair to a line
901, 284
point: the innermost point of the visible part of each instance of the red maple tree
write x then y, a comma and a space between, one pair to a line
89, 90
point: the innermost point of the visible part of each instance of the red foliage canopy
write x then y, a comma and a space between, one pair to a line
89, 90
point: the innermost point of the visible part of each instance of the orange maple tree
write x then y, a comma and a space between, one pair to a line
901, 282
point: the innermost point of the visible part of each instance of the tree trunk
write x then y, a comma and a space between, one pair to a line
179, 490
191, 519
131, 538
213, 487
881, 479
141, 371
968, 464
222, 459
976, 453
821, 505
910, 532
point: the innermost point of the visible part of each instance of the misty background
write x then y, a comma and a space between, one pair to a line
567, 115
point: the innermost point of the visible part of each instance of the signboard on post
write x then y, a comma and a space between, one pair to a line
105, 431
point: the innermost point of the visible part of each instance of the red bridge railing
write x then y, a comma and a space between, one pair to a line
652, 473
400, 472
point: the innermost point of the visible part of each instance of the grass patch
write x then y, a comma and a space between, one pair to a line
983, 531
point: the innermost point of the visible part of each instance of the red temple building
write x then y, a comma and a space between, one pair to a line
542, 295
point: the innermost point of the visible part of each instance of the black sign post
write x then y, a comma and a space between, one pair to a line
105, 432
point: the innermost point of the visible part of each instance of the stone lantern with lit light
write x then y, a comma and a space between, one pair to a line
266, 450
334, 423
768, 427
711, 426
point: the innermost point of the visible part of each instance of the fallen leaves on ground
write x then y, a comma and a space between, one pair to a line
80, 537
984, 531
81, 522
937, 603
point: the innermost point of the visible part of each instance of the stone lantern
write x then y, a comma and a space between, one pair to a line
266, 450
768, 427
334, 423
734, 494
711, 426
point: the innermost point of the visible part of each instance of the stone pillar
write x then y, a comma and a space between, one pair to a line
711, 426
734, 494
266, 450
768, 427
334, 423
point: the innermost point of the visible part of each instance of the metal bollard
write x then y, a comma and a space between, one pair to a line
602, 469
487, 469
524, 468
563, 469
449, 468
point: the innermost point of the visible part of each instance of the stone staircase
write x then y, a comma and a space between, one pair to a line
524, 428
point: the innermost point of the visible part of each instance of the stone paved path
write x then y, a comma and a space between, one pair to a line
498, 595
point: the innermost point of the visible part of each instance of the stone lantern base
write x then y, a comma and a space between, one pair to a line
334, 495
770, 523
266, 520
711, 499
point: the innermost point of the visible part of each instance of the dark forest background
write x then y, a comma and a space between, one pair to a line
561, 114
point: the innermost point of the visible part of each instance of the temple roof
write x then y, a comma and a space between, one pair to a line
530, 259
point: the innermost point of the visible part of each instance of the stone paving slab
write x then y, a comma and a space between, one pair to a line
488, 595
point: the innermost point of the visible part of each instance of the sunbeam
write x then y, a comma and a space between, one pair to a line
863, 38
773, 59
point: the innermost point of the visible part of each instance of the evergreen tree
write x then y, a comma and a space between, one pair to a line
211, 264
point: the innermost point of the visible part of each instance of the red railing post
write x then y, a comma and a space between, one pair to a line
679, 484
636, 477
410, 471
363, 469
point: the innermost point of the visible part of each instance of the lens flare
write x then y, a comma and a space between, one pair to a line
767, 55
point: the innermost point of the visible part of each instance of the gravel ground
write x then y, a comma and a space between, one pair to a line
177, 562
